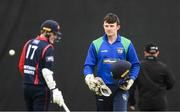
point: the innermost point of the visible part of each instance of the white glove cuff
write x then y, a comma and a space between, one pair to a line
130, 83
89, 78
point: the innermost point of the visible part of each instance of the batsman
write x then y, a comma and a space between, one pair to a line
111, 66
36, 68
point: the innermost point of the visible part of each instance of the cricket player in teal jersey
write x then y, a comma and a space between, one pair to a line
102, 53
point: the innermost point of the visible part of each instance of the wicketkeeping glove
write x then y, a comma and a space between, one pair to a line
90, 81
57, 97
97, 85
127, 84
102, 89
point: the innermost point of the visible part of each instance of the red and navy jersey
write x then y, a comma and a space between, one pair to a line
37, 54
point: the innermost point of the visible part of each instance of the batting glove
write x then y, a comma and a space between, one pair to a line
57, 97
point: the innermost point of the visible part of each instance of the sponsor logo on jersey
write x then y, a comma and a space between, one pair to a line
29, 69
29, 72
110, 60
104, 51
49, 58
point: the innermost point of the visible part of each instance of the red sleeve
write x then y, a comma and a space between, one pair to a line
22, 58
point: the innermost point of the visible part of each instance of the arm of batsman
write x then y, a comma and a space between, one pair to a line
48, 76
57, 95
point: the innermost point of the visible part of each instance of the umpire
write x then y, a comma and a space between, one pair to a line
154, 80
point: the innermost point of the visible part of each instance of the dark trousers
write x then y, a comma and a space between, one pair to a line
116, 102
36, 97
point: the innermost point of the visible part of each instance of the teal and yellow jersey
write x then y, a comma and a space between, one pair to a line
102, 54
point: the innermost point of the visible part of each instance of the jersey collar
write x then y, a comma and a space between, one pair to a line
42, 38
117, 40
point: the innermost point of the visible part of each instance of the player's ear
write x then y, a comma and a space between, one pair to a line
145, 53
118, 26
158, 53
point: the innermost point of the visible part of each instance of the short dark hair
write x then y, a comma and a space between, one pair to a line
112, 18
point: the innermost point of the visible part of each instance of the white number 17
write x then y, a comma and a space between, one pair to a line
34, 48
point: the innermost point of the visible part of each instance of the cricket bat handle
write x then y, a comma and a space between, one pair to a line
65, 107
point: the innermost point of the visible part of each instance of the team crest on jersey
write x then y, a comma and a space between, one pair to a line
120, 50
49, 58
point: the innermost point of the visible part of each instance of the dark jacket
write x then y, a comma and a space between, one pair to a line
154, 80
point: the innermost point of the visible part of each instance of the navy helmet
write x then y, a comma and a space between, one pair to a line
51, 26
120, 69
